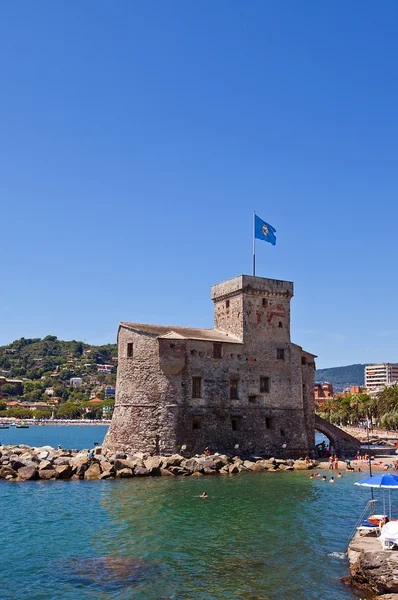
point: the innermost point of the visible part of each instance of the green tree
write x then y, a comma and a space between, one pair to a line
69, 410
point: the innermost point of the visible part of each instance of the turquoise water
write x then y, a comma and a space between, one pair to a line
269, 536
68, 436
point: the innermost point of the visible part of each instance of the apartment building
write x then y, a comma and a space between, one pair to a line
378, 376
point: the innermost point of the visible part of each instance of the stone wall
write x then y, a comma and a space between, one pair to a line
155, 408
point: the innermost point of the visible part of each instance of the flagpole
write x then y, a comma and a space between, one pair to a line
254, 244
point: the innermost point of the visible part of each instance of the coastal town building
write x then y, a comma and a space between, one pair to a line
75, 381
322, 391
242, 387
378, 376
110, 391
4, 381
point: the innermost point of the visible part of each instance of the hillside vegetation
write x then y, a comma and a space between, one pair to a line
45, 367
342, 377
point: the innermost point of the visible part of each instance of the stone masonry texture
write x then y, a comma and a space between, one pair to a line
242, 387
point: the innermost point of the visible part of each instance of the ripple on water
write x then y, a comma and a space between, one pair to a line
257, 537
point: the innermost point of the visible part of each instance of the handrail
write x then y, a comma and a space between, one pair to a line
369, 508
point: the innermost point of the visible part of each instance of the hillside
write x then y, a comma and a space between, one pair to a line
54, 372
341, 377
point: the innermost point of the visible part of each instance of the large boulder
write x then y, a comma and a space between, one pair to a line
107, 466
64, 471
48, 474
16, 464
125, 473
141, 471
192, 465
174, 460
301, 465
62, 460
107, 475
45, 464
6, 472
93, 472
153, 464
43, 455
125, 463
27, 473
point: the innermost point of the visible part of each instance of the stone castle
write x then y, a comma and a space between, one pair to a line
242, 387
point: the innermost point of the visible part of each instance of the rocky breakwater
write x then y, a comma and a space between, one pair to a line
23, 463
373, 571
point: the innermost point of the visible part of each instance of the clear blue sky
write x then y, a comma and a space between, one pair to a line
137, 138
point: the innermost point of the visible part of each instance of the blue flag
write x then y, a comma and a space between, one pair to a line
264, 231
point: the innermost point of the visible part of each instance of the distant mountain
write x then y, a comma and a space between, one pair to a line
341, 377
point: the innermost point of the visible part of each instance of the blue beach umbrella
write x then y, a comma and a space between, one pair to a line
386, 482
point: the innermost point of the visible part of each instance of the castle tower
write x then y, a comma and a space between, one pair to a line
253, 308
242, 385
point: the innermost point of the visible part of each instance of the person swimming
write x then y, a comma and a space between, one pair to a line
324, 478
331, 480
204, 495
339, 475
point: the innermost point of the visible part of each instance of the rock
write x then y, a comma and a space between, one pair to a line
47, 474
234, 468
197, 474
237, 460
301, 465
224, 470
93, 472
220, 461
107, 466
45, 464
258, 467
124, 473
191, 464
248, 464
141, 471
153, 464
174, 460
107, 475
178, 471
120, 464
140, 455
166, 472
27, 473
98, 450
6, 472
64, 471
209, 471
43, 455
119, 455
17, 464
62, 460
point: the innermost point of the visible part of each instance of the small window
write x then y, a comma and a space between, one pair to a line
172, 345
227, 304
280, 354
282, 432
196, 387
233, 389
264, 302
253, 399
280, 324
197, 422
303, 360
130, 350
217, 350
303, 389
193, 352
264, 385
236, 423
268, 422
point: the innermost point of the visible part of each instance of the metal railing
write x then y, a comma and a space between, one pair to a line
368, 510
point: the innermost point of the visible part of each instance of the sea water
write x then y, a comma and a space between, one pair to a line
268, 536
